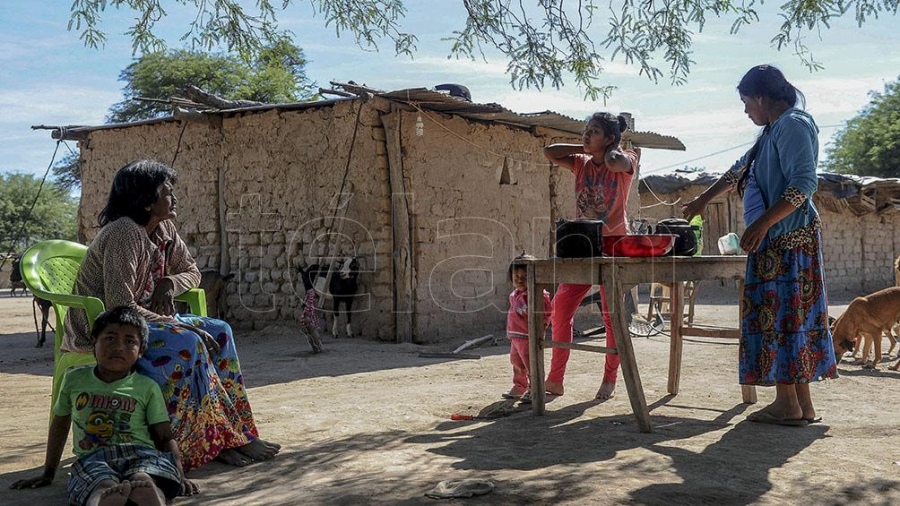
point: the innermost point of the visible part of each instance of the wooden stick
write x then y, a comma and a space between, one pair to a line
581, 347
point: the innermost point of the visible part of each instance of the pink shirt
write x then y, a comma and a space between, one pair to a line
601, 194
517, 317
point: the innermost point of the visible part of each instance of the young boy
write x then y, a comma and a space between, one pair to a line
517, 329
122, 436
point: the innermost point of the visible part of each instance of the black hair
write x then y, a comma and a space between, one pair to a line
518, 263
751, 155
134, 188
769, 82
610, 123
122, 315
765, 81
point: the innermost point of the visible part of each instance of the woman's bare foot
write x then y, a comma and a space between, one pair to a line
607, 391
895, 367
779, 412
809, 412
232, 457
189, 487
116, 495
259, 449
554, 388
145, 493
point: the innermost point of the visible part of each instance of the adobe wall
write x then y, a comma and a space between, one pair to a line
479, 194
859, 252
280, 176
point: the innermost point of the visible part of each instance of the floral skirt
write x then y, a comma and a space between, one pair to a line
204, 392
785, 338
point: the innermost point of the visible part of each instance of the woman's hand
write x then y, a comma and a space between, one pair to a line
693, 208
40, 481
612, 154
754, 235
211, 344
616, 160
162, 300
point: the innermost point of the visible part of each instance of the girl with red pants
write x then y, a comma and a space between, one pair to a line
603, 173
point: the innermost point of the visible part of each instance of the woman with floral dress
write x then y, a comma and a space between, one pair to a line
139, 260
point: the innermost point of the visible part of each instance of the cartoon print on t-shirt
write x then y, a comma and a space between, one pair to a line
591, 202
98, 428
107, 422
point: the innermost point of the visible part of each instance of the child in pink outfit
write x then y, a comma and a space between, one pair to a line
603, 173
517, 329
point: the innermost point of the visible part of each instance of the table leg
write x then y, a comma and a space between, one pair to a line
536, 342
676, 341
625, 349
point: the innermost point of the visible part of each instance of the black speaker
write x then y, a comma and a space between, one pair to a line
579, 238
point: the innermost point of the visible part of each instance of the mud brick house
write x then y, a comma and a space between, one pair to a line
433, 193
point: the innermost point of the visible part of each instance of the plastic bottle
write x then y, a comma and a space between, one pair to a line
697, 226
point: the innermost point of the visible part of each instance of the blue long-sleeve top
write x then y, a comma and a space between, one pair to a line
785, 167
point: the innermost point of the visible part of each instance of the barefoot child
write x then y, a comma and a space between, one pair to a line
517, 329
603, 173
309, 319
122, 436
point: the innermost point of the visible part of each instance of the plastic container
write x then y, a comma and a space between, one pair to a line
697, 226
635, 245
729, 244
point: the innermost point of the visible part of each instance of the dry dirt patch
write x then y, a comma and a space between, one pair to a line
369, 423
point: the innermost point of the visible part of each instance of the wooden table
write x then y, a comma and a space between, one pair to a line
619, 275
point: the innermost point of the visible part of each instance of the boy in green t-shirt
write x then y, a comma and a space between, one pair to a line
122, 435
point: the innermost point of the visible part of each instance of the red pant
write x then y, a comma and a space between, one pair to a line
565, 303
518, 357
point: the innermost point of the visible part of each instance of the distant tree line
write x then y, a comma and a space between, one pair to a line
869, 144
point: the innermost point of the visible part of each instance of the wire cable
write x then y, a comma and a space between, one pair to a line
27, 217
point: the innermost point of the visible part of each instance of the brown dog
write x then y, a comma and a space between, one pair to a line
866, 317
896, 367
866, 346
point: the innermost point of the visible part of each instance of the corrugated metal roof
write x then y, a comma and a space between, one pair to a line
433, 101
441, 102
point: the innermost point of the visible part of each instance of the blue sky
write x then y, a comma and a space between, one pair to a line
48, 77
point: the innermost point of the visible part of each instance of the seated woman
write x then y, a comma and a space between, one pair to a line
139, 260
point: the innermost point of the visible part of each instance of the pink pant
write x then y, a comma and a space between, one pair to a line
518, 357
565, 303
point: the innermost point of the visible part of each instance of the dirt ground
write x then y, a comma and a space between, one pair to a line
369, 423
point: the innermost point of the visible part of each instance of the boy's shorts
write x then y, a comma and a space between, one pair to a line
120, 462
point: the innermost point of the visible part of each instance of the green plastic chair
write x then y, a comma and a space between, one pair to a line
49, 269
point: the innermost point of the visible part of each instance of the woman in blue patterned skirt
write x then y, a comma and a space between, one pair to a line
785, 339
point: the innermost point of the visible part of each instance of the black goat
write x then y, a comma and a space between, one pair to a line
341, 288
